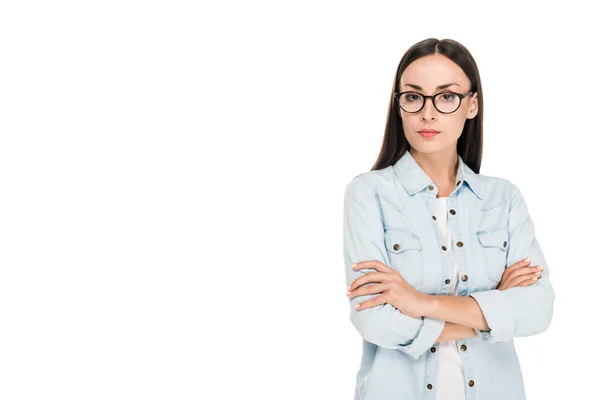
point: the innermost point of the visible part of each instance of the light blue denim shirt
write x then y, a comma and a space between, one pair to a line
491, 229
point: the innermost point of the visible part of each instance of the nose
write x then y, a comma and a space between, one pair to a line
428, 113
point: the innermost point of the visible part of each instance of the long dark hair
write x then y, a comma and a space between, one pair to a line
470, 143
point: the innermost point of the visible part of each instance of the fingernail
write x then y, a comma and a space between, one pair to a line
540, 267
348, 288
527, 260
535, 278
354, 266
358, 305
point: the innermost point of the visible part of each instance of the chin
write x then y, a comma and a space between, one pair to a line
432, 148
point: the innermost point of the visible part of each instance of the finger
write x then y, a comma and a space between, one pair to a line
369, 289
524, 271
519, 264
529, 278
528, 282
366, 278
375, 301
376, 265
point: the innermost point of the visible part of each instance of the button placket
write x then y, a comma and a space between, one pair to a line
458, 243
432, 196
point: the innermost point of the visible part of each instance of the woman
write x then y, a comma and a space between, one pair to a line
427, 240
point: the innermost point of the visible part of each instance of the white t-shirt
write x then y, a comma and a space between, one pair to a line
450, 376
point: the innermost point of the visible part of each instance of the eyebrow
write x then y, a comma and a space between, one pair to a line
437, 88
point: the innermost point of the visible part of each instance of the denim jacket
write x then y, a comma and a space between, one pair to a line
389, 216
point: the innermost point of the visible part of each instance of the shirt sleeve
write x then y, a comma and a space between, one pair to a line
518, 311
363, 240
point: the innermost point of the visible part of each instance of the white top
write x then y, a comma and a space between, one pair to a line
450, 377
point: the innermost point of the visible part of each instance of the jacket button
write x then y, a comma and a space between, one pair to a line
447, 281
464, 278
430, 187
433, 349
471, 383
434, 218
504, 244
444, 248
396, 246
458, 183
452, 212
429, 386
459, 244
463, 347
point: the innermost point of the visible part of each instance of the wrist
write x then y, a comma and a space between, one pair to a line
428, 304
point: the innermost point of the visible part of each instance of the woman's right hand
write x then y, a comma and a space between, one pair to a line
520, 274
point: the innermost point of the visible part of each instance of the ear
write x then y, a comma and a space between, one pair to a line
473, 106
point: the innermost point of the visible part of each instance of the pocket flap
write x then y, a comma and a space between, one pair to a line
399, 240
494, 238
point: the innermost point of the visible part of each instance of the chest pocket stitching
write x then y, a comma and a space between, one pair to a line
494, 237
406, 259
492, 240
401, 238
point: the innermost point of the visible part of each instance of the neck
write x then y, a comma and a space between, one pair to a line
440, 167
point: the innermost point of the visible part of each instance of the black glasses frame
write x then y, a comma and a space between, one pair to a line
461, 96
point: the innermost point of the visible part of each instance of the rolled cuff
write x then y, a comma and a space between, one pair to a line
428, 334
497, 315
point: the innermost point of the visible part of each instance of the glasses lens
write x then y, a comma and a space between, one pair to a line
411, 102
447, 102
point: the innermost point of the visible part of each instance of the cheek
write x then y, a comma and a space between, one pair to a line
409, 122
454, 126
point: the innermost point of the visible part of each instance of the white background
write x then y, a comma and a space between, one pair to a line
172, 176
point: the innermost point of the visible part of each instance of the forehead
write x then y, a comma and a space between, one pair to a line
432, 71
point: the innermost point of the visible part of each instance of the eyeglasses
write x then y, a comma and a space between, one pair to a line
444, 102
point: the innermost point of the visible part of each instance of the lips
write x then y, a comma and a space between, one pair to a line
428, 133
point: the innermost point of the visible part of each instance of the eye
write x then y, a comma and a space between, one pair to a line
448, 97
412, 97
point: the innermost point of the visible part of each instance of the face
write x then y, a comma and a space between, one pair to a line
430, 75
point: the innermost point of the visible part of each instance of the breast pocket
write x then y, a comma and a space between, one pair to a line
494, 242
404, 251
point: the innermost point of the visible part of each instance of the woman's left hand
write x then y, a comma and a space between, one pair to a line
392, 286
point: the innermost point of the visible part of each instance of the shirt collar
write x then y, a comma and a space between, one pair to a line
415, 179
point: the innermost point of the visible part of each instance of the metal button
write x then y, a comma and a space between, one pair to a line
459, 244
447, 281
429, 386
432, 349
430, 187
444, 248
471, 383
396, 246
434, 218
464, 278
452, 212
504, 244
463, 347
